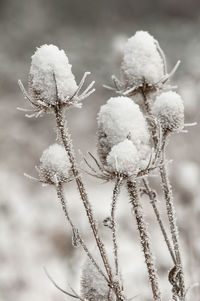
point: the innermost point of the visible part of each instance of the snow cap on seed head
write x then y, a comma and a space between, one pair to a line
54, 165
142, 60
123, 158
120, 118
169, 109
50, 64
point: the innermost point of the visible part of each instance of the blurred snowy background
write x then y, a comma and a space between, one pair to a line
33, 233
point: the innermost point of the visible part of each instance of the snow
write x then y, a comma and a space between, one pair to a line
49, 62
54, 164
123, 158
169, 108
120, 118
141, 60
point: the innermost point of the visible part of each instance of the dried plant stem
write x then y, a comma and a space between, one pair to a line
146, 100
60, 194
116, 191
167, 190
152, 197
144, 238
66, 139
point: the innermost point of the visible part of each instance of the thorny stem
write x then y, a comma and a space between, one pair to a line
60, 194
66, 139
116, 191
144, 238
152, 197
167, 190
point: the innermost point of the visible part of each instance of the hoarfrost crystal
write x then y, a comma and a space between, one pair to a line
93, 284
142, 61
50, 67
54, 165
169, 109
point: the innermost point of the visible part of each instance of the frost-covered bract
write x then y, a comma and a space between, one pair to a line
93, 284
142, 61
123, 158
54, 165
169, 109
51, 75
120, 118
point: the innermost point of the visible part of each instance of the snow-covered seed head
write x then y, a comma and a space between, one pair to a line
123, 158
142, 61
169, 109
120, 118
93, 284
51, 78
54, 165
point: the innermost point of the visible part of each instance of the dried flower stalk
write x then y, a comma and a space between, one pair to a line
116, 192
144, 238
65, 136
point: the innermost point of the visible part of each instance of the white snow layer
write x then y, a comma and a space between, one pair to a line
50, 64
54, 164
169, 108
123, 158
120, 118
141, 60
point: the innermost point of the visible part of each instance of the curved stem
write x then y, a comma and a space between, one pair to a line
167, 190
60, 194
116, 191
153, 200
144, 238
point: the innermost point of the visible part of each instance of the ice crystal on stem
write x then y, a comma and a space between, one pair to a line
132, 187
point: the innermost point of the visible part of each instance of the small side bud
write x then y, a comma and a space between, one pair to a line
54, 165
169, 109
123, 158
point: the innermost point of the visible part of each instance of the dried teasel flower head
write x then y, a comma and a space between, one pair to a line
54, 165
169, 109
51, 77
123, 158
52, 84
93, 284
142, 62
119, 119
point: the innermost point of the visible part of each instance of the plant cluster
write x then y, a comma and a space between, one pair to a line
134, 128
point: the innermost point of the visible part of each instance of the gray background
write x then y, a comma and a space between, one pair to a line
32, 229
